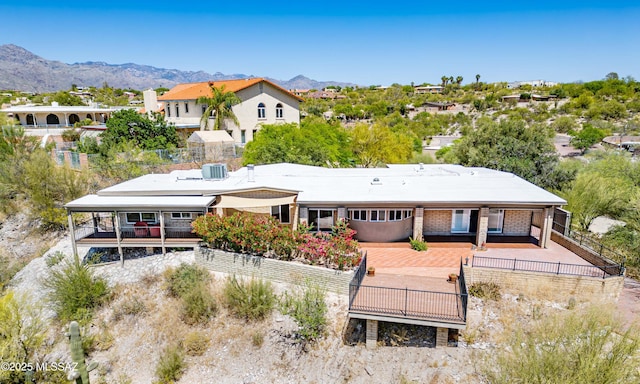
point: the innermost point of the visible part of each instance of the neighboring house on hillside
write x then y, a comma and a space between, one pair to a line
57, 116
440, 202
262, 102
433, 106
428, 89
533, 83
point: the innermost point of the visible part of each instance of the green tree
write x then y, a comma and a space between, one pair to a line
147, 133
65, 98
564, 124
314, 142
378, 144
220, 105
587, 137
477, 80
512, 146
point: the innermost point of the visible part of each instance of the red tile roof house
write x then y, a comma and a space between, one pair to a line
262, 102
439, 202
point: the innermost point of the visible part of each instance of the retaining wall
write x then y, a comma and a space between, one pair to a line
282, 271
560, 285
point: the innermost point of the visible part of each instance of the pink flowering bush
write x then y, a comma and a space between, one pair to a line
263, 235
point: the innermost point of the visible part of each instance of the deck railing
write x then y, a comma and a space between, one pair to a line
87, 230
462, 290
357, 278
404, 302
546, 267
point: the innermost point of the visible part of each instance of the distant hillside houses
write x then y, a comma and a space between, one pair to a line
533, 83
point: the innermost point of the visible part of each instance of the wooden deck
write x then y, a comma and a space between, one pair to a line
409, 299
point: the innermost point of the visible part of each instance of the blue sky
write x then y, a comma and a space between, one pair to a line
351, 41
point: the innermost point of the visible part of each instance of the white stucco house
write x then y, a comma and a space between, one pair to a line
262, 102
57, 116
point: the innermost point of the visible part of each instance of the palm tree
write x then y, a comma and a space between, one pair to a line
219, 105
459, 80
444, 80
477, 80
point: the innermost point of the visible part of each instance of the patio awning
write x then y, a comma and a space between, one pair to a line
96, 203
251, 204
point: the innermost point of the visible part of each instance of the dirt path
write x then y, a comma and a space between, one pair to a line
629, 301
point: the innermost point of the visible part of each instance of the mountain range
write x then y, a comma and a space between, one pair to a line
22, 70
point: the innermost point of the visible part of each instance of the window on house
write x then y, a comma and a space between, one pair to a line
243, 136
262, 113
147, 217
177, 110
278, 111
204, 109
181, 215
395, 214
186, 107
358, 214
254, 133
496, 220
378, 215
408, 213
281, 212
168, 110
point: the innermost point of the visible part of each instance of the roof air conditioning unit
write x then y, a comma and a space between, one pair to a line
214, 171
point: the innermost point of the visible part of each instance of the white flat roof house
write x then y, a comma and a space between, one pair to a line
381, 204
262, 102
56, 116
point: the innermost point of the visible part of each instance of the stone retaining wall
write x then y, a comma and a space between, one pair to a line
282, 271
562, 285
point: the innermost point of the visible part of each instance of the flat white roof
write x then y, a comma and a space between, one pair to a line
397, 184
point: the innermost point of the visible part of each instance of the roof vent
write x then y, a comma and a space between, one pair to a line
251, 176
376, 181
214, 171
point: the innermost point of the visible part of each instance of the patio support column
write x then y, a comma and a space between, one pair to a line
372, 334
119, 238
72, 233
296, 217
483, 226
545, 233
162, 236
220, 211
418, 223
442, 337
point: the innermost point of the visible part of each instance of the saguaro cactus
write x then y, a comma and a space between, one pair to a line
81, 372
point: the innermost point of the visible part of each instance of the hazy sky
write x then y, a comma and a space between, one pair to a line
361, 42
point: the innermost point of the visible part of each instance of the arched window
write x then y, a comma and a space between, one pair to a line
30, 120
262, 113
177, 110
73, 118
52, 119
89, 117
278, 111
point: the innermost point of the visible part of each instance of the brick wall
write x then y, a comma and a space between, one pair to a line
561, 286
282, 271
437, 222
517, 222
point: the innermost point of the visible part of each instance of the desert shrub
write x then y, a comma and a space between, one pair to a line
71, 135
257, 338
198, 305
76, 292
309, 310
195, 343
485, 290
171, 365
418, 245
22, 332
185, 278
131, 306
574, 347
8, 269
54, 259
250, 299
